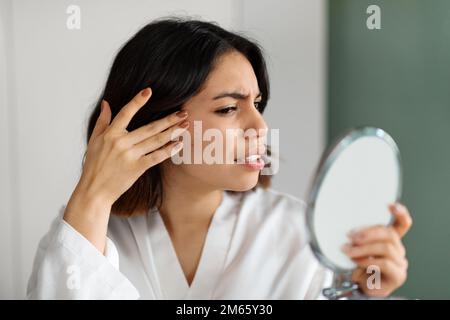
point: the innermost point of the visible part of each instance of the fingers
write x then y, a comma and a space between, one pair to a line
160, 155
156, 127
381, 246
123, 118
378, 233
160, 139
384, 250
403, 220
378, 279
358, 274
103, 120
388, 268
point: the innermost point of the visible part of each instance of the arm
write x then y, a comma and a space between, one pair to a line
70, 262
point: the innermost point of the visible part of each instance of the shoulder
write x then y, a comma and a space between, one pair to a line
276, 210
269, 202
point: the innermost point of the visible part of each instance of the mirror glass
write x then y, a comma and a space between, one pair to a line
358, 177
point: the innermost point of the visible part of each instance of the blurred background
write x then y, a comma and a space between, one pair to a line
329, 71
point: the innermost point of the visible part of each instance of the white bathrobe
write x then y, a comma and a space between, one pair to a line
256, 248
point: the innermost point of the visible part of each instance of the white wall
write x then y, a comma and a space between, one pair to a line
293, 33
50, 76
6, 217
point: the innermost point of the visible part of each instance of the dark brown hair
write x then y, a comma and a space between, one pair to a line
173, 56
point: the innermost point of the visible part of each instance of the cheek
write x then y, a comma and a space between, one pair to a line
205, 138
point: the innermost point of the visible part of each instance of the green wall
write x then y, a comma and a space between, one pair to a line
398, 78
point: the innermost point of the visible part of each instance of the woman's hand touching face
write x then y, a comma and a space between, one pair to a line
115, 159
380, 249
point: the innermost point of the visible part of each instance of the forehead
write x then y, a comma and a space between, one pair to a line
232, 72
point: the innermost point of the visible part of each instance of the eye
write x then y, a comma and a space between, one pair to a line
257, 105
227, 110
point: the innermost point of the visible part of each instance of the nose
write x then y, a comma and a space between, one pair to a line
255, 123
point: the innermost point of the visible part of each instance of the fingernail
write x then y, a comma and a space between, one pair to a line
145, 92
182, 114
356, 238
346, 247
176, 138
102, 106
177, 147
354, 232
185, 124
394, 209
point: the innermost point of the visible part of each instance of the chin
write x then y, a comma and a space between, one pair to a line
243, 184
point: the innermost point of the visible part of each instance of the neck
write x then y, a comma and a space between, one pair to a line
188, 203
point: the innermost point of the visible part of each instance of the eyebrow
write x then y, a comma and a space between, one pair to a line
234, 95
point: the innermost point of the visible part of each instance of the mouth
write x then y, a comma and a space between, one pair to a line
253, 159
253, 163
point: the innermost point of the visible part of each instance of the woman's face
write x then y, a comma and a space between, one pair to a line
226, 109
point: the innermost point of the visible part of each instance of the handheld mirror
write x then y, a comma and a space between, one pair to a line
357, 178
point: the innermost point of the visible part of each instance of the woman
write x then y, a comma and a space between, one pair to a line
139, 225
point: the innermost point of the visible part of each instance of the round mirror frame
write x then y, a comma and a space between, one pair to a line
328, 158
